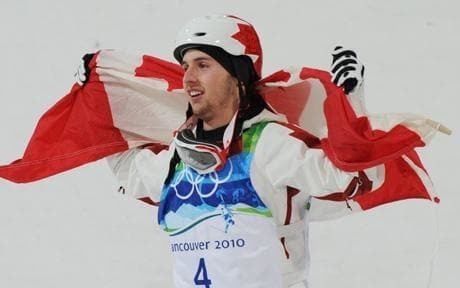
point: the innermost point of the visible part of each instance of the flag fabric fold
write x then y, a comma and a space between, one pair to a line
137, 100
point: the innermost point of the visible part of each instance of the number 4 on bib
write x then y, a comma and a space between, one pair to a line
201, 276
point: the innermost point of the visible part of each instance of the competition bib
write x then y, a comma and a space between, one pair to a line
207, 257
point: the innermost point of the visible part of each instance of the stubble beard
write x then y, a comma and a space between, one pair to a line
211, 109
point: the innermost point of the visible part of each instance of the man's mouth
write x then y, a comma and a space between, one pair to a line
194, 93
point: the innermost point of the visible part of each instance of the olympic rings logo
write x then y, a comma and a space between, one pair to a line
196, 182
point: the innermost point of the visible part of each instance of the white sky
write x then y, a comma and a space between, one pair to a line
74, 230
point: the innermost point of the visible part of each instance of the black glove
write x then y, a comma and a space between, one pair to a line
347, 71
82, 74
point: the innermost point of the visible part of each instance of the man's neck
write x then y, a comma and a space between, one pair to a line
217, 122
207, 126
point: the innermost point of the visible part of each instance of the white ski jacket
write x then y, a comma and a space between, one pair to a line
245, 226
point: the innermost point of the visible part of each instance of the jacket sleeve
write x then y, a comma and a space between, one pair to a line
286, 160
141, 172
291, 178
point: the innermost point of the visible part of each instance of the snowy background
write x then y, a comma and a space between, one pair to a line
75, 230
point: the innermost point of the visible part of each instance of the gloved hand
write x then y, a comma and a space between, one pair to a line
82, 74
347, 71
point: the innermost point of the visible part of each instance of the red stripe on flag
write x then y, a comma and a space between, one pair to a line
352, 144
76, 130
401, 182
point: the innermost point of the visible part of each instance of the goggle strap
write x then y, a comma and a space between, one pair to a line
229, 133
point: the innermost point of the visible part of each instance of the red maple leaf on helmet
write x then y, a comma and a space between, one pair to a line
248, 37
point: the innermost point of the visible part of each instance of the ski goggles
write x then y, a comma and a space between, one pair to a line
204, 157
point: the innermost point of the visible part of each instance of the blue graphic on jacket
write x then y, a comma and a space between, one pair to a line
227, 214
190, 198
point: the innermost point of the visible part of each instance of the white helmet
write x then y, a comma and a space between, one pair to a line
234, 35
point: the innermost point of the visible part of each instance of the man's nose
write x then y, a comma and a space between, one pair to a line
189, 76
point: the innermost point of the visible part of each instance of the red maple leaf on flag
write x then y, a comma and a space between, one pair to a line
153, 67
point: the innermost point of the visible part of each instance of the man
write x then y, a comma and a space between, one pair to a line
233, 185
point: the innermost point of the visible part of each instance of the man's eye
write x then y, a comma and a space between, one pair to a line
203, 65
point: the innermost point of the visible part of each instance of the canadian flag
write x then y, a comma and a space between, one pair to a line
135, 101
